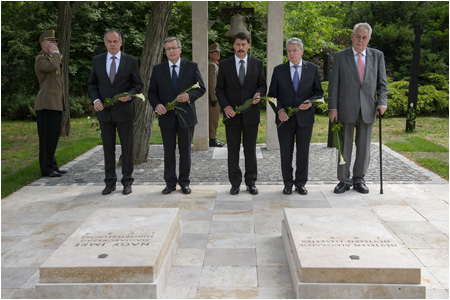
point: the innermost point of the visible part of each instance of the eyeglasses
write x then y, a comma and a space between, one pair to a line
171, 48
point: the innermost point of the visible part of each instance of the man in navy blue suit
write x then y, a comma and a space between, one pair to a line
292, 84
168, 81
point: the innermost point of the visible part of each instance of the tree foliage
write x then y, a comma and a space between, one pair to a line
324, 27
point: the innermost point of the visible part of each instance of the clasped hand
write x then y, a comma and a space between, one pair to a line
229, 111
283, 116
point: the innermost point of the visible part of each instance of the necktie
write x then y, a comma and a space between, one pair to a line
241, 72
112, 70
174, 76
295, 80
360, 67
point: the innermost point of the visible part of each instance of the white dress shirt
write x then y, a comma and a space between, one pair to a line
108, 64
299, 70
177, 69
238, 64
363, 56
109, 61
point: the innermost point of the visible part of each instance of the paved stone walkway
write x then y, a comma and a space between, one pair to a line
210, 167
231, 245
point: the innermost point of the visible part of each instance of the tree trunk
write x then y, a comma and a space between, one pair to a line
64, 32
158, 26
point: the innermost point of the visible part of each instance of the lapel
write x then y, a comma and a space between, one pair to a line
286, 76
369, 64
122, 65
103, 71
305, 74
166, 73
351, 63
250, 65
183, 65
234, 71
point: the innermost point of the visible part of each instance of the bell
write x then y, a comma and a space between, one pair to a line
237, 24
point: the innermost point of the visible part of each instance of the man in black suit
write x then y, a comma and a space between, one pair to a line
168, 82
113, 73
241, 77
292, 84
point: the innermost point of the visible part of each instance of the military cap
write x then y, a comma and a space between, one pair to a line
214, 48
49, 35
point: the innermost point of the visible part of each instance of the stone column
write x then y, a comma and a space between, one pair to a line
200, 56
275, 17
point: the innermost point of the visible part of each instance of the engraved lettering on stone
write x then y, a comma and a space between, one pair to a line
111, 240
356, 242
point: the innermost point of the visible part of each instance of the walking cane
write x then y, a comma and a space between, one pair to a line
381, 155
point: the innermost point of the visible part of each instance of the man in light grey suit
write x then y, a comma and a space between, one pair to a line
357, 90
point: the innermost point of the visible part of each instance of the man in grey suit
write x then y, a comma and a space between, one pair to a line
357, 91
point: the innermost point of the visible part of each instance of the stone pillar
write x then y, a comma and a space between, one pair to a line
200, 56
275, 17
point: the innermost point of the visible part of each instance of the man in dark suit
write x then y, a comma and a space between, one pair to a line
356, 91
241, 77
113, 73
49, 103
168, 82
292, 84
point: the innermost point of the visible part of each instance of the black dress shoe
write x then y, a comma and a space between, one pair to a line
126, 190
215, 143
168, 189
361, 187
341, 188
301, 190
109, 189
61, 171
252, 189
54, 174
186, 189
287, 190
235, 190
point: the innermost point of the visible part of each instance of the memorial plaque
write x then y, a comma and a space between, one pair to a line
347, 253
113, 247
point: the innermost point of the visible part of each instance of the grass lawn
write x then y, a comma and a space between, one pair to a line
427, 145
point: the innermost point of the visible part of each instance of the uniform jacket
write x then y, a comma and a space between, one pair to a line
48, 72
213, 71
309, 88
229, 90
161, 91
348, 95
128, 79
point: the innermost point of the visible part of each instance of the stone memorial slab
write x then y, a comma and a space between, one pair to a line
115, 253
347, 253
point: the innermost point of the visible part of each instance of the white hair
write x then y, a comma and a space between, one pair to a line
365, 26
295, 40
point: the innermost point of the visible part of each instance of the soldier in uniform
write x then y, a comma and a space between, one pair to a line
49, 102
214, 107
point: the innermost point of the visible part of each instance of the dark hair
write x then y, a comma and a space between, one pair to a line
242, 36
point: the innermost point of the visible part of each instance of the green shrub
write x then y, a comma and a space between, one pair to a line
397, 99
81, 107
441, 102
21, 107
432, 99
322, 109
440, 82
